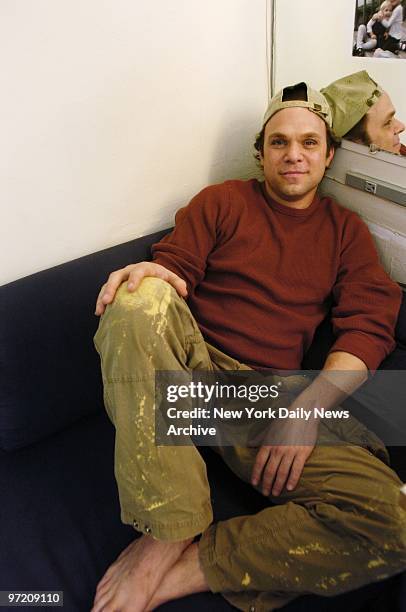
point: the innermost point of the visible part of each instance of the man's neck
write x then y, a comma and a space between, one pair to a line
300, 202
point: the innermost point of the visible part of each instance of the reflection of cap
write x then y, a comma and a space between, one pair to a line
350, 98
315, 102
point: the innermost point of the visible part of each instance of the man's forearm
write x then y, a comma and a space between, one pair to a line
340, 360
341, 375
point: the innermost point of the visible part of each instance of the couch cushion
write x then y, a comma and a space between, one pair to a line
50, 373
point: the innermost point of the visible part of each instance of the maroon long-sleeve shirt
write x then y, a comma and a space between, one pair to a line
261, 276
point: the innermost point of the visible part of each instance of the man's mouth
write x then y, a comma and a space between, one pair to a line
293, 173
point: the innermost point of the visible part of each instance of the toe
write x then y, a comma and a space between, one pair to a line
103, 603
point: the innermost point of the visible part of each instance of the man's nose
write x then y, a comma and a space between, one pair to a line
294, 152
400, 127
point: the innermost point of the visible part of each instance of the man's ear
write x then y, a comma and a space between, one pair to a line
330, 156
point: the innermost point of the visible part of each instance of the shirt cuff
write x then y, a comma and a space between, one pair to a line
363, 346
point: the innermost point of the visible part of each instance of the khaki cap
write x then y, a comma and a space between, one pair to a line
315, 102
350, 98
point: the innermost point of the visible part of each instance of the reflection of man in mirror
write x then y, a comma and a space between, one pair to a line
363, 112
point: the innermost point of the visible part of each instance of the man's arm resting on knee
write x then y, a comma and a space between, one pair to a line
134, 273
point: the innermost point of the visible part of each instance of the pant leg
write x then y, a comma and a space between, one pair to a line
340, 529
163, 490
363, 40
361, 36
391, 45
369, 44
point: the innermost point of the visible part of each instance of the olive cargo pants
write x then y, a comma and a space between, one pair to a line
342, 527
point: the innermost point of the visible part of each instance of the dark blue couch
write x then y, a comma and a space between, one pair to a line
59, 512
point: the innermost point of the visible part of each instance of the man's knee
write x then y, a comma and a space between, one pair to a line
152, 297
388, 537
142, 318
140, 310
372, 496
391, 518
362, 494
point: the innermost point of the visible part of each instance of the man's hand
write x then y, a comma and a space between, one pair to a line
287, 446
134, 273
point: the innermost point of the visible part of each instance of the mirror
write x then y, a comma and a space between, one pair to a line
329, 55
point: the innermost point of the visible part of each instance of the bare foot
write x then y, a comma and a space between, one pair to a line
130, 582
184, 578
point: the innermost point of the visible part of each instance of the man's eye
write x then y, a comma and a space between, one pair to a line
310, 142
389, 123
278, 142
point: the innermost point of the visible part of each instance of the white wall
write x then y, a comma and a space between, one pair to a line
314, 43
113, 113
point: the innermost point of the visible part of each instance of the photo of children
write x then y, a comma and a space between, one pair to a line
380, 29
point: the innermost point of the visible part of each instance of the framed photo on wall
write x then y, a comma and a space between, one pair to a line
380, 29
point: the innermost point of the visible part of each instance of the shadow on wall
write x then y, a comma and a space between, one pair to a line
233, 153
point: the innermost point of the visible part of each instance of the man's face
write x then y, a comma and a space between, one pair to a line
382, 127
395, 3
295, 156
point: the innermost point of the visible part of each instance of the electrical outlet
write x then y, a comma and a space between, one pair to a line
370, 187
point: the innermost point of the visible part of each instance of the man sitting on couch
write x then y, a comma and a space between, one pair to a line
259, 264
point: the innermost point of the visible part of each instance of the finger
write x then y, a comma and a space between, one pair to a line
102, 592
157, 271
142, 270
110, 572
101, 602
99, 304
105, 579
102, 582
109, 290
260, 461
295, 472
179, 284
270, 471
282, 473
104, 585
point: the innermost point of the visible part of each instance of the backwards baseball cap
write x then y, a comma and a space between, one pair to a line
314, 101
350, 98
